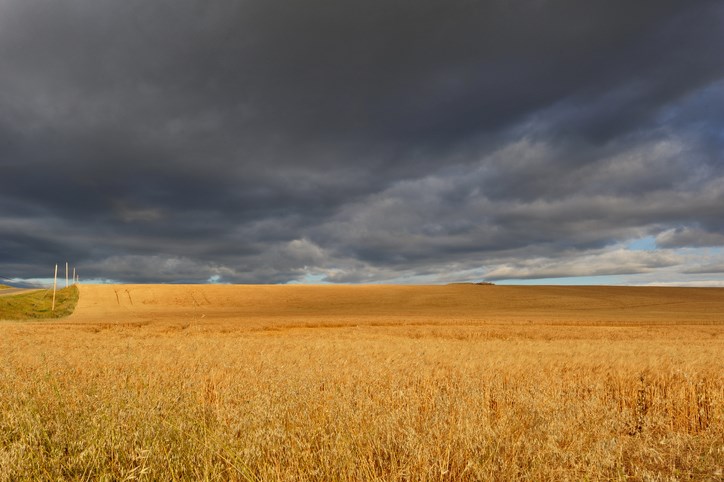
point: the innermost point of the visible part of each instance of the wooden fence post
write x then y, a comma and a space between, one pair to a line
55, 282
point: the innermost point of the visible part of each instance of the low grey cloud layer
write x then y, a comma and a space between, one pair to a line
429, 141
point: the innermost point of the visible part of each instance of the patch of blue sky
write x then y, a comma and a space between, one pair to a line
647, 243
310, 279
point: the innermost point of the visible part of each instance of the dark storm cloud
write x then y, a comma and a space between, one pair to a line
689, 237
263, 141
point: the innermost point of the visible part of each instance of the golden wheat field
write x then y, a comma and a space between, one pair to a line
457, 382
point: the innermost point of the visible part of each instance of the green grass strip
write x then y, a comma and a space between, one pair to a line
37, 305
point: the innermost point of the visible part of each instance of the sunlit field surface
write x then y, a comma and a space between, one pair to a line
458, 382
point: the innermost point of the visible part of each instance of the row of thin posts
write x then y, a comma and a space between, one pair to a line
55, 281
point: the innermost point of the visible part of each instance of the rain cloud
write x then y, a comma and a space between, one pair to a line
255, 141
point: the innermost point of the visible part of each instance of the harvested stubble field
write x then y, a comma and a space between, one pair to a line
458, 382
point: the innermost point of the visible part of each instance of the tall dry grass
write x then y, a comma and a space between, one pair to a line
196, 402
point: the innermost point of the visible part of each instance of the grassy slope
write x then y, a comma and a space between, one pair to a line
37, 305
4, 287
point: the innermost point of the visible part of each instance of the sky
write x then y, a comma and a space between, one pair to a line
337, 141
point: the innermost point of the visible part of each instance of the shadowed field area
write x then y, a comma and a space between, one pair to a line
254, 306
458, 382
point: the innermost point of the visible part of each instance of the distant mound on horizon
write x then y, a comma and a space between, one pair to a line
479, 283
